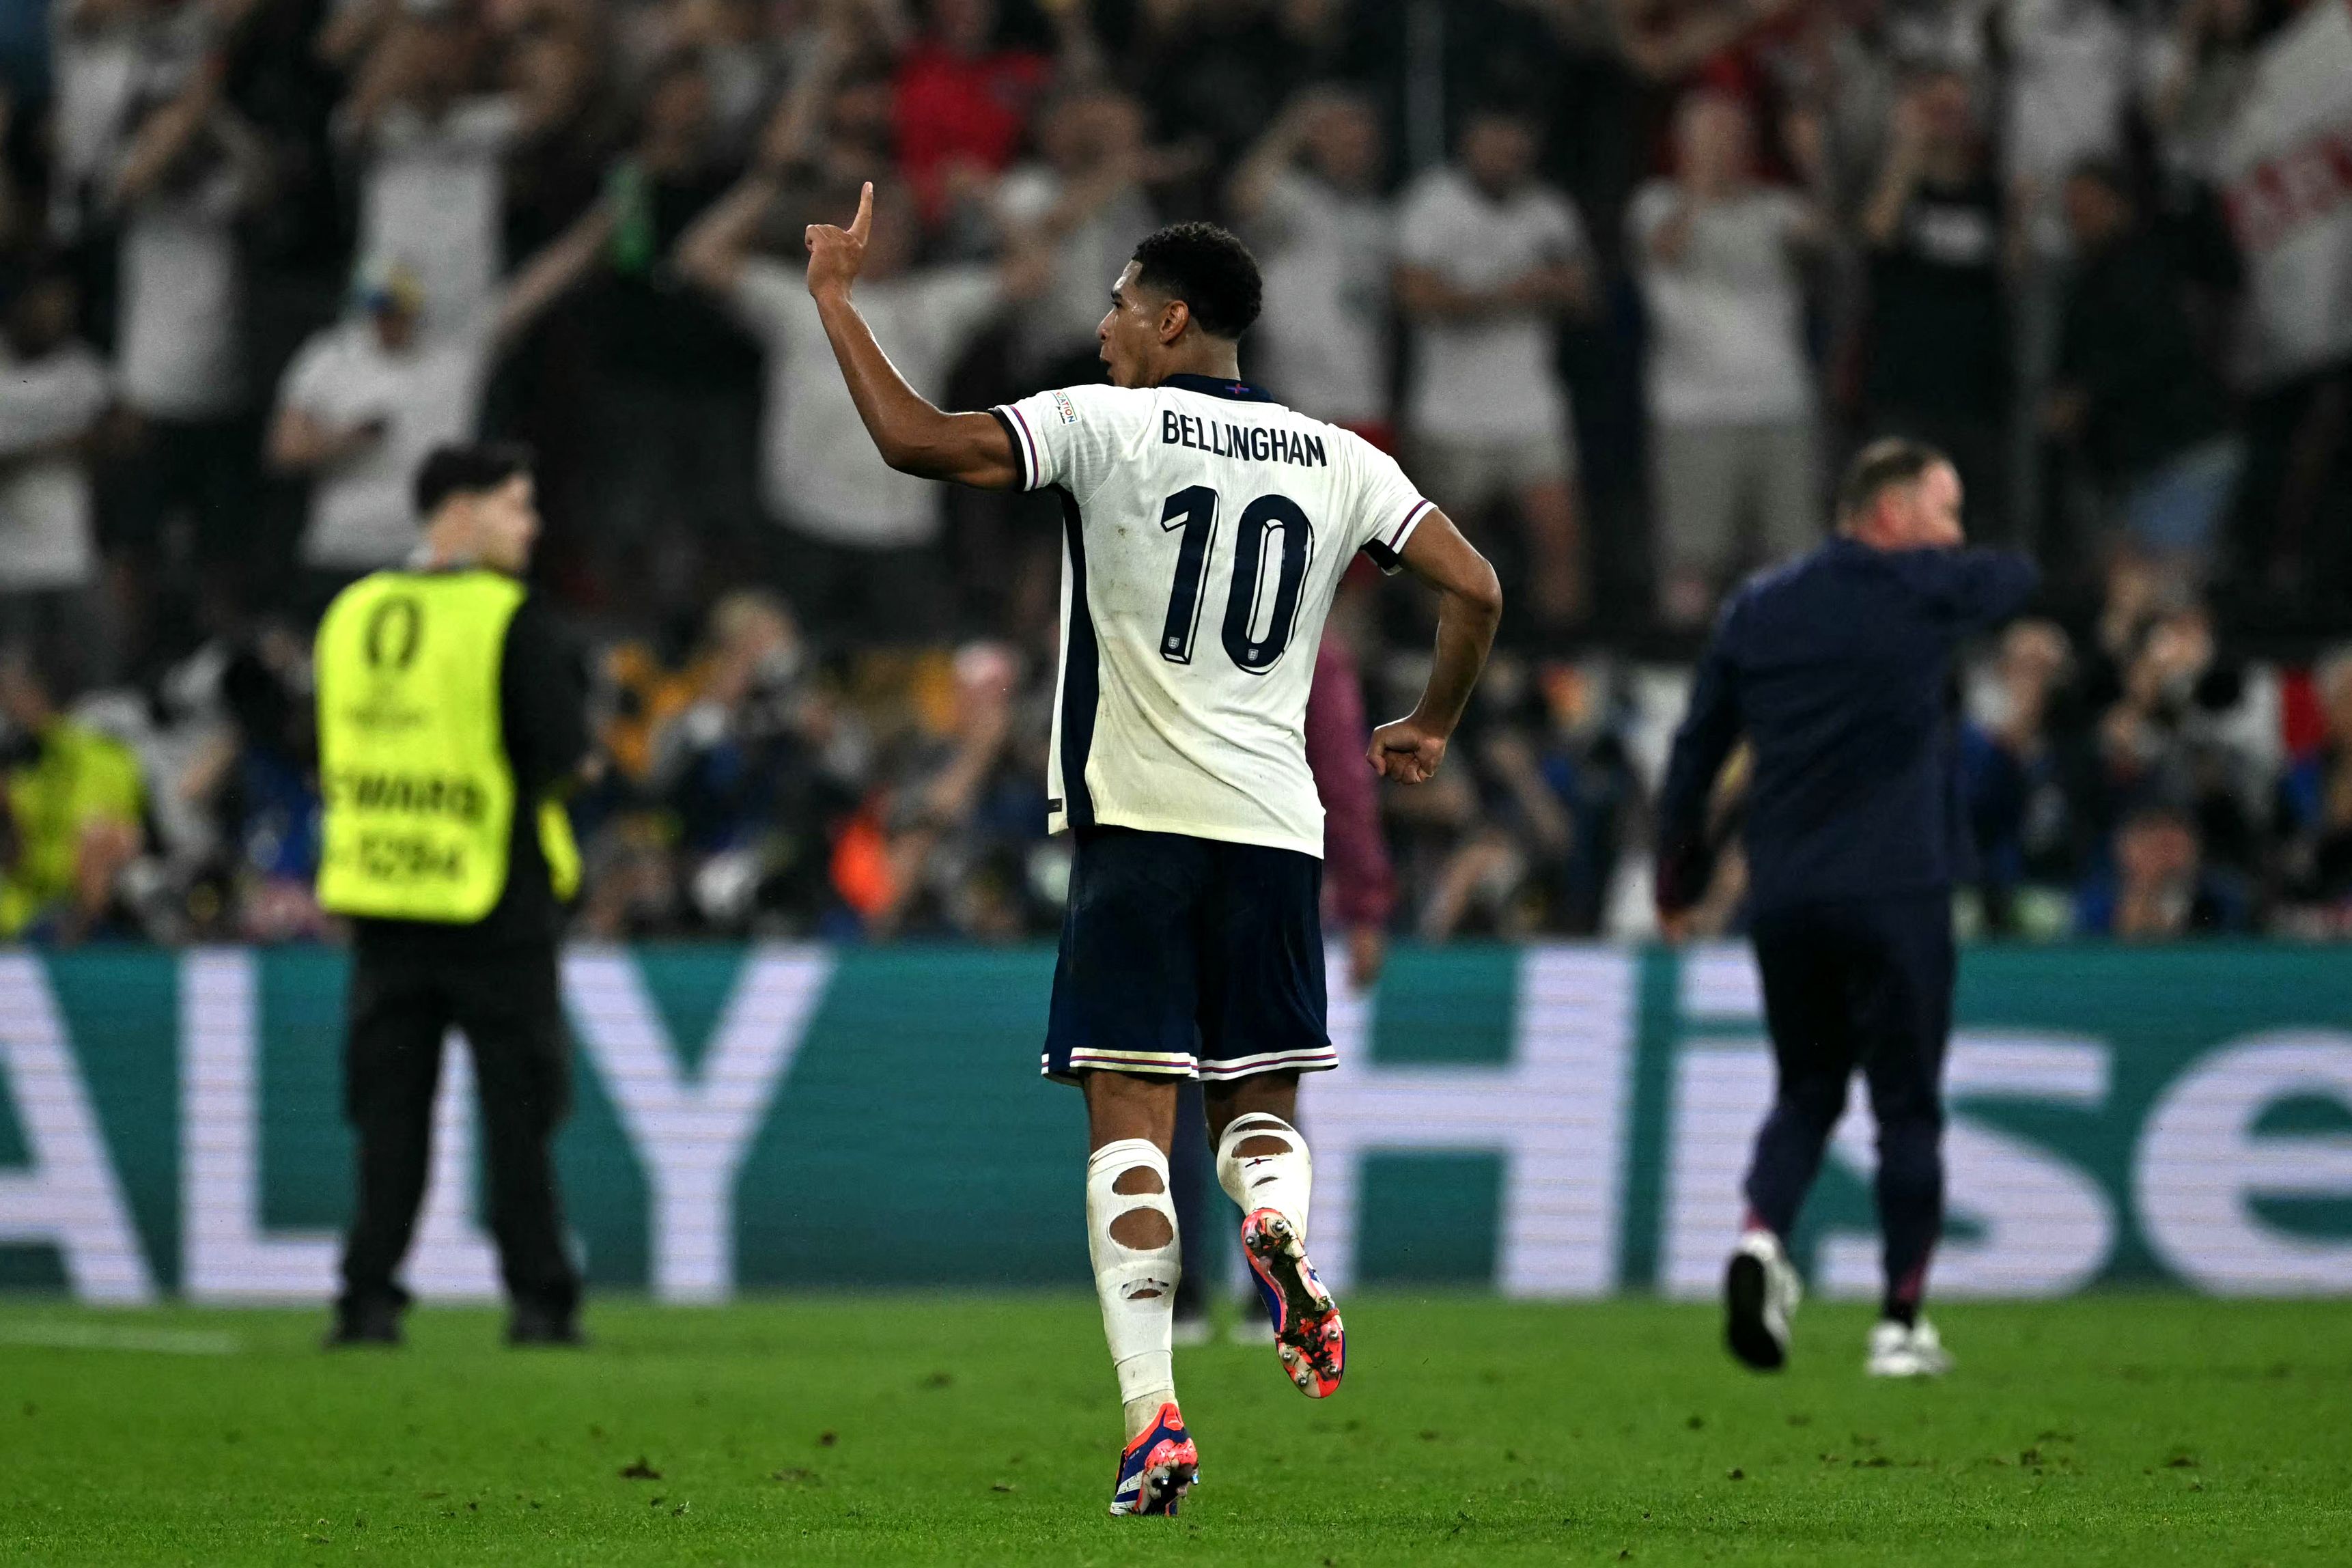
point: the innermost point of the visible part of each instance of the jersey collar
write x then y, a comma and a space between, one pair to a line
1211, 387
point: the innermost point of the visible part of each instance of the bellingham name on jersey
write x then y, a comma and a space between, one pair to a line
1259, 443
1205, 530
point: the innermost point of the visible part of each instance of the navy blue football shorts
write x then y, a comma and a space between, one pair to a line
1189, 958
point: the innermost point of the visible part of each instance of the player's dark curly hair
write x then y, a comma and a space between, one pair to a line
1209, 270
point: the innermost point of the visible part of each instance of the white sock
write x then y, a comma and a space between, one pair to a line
1282, 1181
1137, 1284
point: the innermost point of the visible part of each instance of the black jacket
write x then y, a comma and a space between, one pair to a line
1837, 669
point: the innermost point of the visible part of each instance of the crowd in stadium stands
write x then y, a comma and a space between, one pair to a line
1620, 280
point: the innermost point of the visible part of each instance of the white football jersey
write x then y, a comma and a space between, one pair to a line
1205, 530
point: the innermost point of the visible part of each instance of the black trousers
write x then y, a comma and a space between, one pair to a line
1867, 985
509, 1006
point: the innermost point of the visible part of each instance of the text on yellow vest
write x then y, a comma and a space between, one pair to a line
418, 791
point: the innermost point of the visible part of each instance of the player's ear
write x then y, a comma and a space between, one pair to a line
1174, 317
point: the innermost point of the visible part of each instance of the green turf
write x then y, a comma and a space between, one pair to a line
909, 1429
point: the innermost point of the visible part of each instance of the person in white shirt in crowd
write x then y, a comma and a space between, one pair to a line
190, 170
857, 544
2280, 166
54, 391
366, 398
432, 155
1085, 200
103, 54
1309, 201
1733, 442
2073, 67
1490, 262
2199, 76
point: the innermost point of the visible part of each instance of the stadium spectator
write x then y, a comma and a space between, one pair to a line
752, 771
2314, 812
262, 791
1084, 199
856, 542
1215, 72
2071, 70
368, 397
1308, 199
431, 149
565, 140
2165, 703
2202, 73
191, 172
2279, 168
670, 504
53, 391
1937, 346
961, 104
1556, 798
73, 801
1731, 407
2160, 888
727, 41
1490, 260
2134, 387
2019, 763
899, 864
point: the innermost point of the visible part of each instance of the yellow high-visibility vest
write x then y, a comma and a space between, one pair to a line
418, 791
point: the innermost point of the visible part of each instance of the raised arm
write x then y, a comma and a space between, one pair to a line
711, 252
550, 274
167, 132
1898, 174
1253, 185
912, 436
1426, 294
1469, 607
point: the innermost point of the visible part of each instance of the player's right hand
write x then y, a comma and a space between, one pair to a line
838, 254
1405, 752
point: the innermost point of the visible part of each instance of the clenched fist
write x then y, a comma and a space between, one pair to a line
1405, 750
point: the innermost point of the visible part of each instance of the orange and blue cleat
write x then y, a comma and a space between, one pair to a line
1157, 1468
1308, 1334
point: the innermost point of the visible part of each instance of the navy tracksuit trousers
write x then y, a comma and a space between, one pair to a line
1861, 983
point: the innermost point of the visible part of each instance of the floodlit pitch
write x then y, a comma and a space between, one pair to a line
2115, 1428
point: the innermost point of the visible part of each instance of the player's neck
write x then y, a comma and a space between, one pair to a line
1217, 361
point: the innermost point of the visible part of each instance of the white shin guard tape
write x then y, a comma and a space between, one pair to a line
1137, 1284
1283, 1180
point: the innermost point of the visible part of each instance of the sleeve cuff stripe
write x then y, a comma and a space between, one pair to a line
1413, 515
1029, 449
1004, 417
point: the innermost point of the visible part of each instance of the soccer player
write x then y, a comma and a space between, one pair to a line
1837, 669
1207, 528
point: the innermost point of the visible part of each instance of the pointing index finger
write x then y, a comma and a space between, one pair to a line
863, 223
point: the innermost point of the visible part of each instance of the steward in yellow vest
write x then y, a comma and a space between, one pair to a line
452, 720
413, 765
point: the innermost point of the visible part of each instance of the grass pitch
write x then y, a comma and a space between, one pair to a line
955, 1429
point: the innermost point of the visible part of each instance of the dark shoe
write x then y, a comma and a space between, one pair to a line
543, 1326
364, 1323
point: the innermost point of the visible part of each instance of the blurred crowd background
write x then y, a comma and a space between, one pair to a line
1620, 280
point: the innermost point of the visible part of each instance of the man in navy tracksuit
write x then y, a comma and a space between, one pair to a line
1836, 670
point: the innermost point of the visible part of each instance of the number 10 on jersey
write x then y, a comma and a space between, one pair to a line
1194, 510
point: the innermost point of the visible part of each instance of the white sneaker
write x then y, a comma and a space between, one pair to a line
1898, 1352
1760, 1292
